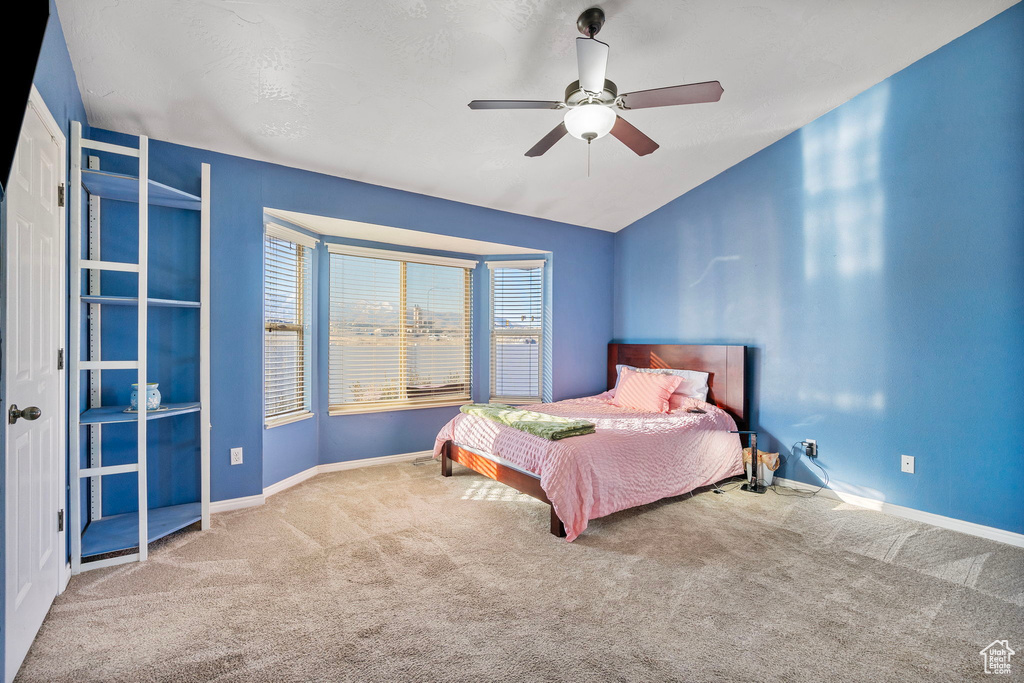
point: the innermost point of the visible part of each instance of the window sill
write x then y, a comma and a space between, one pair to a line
516, 400
395, 407
287, 419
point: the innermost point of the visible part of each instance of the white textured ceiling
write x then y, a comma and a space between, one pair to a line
377, 90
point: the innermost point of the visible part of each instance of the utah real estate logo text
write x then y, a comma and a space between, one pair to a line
997, 657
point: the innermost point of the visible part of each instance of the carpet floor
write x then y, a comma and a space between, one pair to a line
393, 573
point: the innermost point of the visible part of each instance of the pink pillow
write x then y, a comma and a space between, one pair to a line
645, 390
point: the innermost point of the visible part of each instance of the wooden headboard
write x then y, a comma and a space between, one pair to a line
725, 364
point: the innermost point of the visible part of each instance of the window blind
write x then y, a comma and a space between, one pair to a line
517, 331
287, 275
400, 333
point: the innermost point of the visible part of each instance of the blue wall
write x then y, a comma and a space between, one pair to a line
55, 77
873, 259
241, 189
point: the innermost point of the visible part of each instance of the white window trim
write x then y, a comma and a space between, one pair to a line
289, 235
380, 408
517, 264
288, 419
493, 332
407, 256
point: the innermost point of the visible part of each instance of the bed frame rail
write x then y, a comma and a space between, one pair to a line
520, 481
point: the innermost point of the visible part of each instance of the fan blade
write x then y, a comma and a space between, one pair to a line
692, 93
631, 137
592, 59
548, 141
513, 104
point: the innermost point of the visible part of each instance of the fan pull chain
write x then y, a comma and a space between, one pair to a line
588, 157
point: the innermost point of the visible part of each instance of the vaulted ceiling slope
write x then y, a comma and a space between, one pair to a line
377, 91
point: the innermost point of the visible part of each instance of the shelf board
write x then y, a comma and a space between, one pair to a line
134, 301
121, 532
107, 414
125, 188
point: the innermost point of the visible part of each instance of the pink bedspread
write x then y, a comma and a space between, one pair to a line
634, 458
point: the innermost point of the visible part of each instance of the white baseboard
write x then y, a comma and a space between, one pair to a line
991, 533
259, 499
369, 462
291, 481
235, 503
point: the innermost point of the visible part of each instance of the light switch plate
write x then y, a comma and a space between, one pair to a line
907, 463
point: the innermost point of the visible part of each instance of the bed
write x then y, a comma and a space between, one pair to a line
634, 458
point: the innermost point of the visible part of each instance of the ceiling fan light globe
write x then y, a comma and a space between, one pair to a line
589, 121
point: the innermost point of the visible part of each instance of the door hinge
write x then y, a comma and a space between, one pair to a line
60, 359
60, 520
60, 195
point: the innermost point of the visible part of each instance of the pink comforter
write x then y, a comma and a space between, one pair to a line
634, 458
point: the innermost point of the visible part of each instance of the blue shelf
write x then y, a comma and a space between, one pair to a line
121, 532
108, 414
125, 188
134, 301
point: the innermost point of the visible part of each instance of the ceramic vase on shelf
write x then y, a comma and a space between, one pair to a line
152, 396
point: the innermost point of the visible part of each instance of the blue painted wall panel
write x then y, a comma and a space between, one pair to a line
290, 449
55, 77
873, 261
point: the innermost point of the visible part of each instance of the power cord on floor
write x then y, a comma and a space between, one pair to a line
733, 485
797, 493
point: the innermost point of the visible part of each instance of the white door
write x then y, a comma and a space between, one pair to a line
34, 547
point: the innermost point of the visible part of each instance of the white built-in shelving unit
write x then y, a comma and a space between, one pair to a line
98, 540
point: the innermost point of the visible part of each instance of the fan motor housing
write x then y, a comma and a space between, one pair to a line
575, 95
590, 22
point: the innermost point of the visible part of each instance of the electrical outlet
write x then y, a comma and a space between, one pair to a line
236, 456
907, 463
810, 448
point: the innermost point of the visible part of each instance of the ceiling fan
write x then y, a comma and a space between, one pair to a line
591, 100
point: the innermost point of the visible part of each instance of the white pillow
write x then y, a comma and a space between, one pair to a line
694, 384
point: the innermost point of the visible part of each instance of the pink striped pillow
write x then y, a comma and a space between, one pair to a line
645, 390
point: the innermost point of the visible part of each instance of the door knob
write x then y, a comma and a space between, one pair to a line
30, 413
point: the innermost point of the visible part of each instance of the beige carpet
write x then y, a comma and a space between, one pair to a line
393, 573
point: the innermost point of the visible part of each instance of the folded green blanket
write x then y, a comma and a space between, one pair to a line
549, 427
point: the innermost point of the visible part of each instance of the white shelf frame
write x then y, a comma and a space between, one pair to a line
94, 264
95, 351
